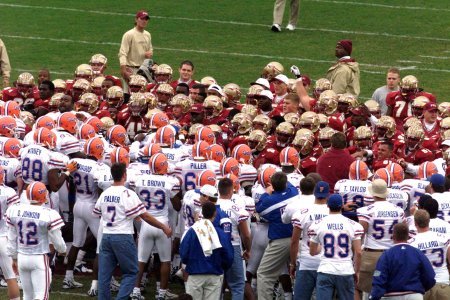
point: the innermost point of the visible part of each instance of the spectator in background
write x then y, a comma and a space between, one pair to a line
207, 253
402, 272
43, 74
186, 71
336, 156
5, 66
344, 74
278, 12
392, 85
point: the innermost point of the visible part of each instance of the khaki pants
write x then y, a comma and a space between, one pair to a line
204, 286
278, 11
439, 291
368, 264
272, 264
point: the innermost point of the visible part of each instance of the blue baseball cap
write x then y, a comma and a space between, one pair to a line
437, 180
335, 201
322, 189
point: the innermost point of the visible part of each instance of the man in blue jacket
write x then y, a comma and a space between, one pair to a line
207, 252
270, 207
402, 272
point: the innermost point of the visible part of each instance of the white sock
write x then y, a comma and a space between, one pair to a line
136, 290
176, 261
253, 283
288, 296
80, 256
69, 274
158, 286
94, 284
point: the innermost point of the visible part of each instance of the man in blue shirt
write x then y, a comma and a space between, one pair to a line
270, 207
402, 272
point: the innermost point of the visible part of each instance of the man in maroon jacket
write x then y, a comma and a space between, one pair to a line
334, 165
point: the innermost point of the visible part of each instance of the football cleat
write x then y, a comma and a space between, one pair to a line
70, 283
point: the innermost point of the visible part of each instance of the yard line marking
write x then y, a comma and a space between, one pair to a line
218, 52
381, 5
52, 72
410, 61
70, 294
435, 57
372, 72
384, 34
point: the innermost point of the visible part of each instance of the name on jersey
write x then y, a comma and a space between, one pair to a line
355, 189
34, 151
200, 166
114, 199
387, 213
84, 168
335, 226
445, 206
31, 215
4, 163
170, 156
438, 229
155, 183
316, 217
428, 245
395, 196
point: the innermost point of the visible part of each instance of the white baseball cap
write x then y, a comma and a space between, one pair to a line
282, 78
262, 82
267, 94
209, 190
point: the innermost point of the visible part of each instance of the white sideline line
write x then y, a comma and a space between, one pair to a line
435, 57
372, 72
385, 34
216, 52
52, 72
70, 294
410, 61
381, 5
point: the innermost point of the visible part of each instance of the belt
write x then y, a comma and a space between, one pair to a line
373, 250
133, 67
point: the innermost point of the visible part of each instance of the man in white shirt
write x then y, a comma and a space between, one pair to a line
392, 85
118, 207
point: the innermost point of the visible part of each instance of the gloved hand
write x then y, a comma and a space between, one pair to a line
296, 71
72, 166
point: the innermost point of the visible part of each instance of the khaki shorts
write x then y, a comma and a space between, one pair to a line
368, 264
439, 291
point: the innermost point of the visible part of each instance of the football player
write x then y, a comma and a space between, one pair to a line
214, 112
132, 117
303, 143
11, 165
26, 92
261, 152
98, 64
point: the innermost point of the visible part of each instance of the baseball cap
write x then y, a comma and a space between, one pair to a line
437, 180
347, 45
142, 14
322, 189
282, 78
262, 82
378, 188
217, 88
267, 94
209, 190
430, 106
335, 201
446, 143
197, 108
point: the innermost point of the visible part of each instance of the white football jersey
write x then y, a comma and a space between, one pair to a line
300, 202
36, 161
436, 225
3, 139
352, 191
85, 181
257, 191
303, 219
156, 191
12, 168
395, 196
29, 138
8, 197
336, 233
435, 247
191, 207
32, 224
103, 177
237, 214
294, 179
381, 217
443, 200
66, 143
247, 173
188, 170
441, 165
174, 155
139, 168
20, 128
415, 188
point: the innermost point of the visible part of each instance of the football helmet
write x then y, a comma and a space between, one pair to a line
303, 141
213, 106
411, 122
444, 109
253, 92
53, 103
385, 127
418, 104
88, 102
373, 106
426, 169
163, 73
83, 85
289, 157
158, 120
215, 152
445, 124
67, 121
60, 86
445, 135
136, 103
85, 132
2, 175
272, 69
358, 170
310, 120
183, 101
205, 134
292, 85
384, 174
323, 120
165, 136
233, 93
84, 71
27, 118
229, 166
284, 134
8, 127
322, 84
158, 164
25, 84
151, 100
96, 85
363, 136
94, 147
327, 103
257, 140
96, 123
120, 155
37, 193
45, 137
200, 149
117, 135
241, 123
114, 96
164, 92
11, 108
249, 110
446, 156
242, 153
346, 101
11, 148
325, 137
398, 174
262, 122
292, 118
216, 129
265, 175
205, 177
414, 137
149, 150
107, 123
98, 62
208, 80
137, 83
409, 86
193, 131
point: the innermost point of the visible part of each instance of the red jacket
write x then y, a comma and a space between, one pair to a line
334, 166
